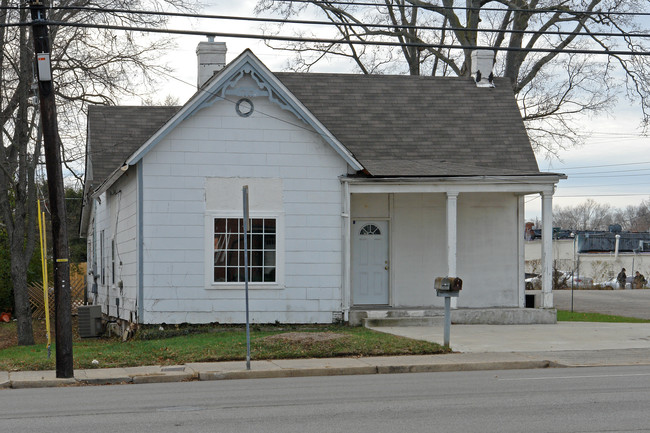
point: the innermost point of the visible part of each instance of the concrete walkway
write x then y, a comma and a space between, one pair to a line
534, 338
478, 347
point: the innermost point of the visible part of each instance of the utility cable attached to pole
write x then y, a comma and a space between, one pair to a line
52, 151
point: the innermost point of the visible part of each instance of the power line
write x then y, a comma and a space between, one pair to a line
604, 186
428, 7
343, 41
470, 8
348, 24
602, 195
604, 165
614, 175
587, 173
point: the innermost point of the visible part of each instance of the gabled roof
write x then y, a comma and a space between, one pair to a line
387, 125
216, 89
398, 125
114, 133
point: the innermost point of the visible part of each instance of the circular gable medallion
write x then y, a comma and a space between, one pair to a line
244, 107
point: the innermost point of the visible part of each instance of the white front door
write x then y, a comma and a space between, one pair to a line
370, 262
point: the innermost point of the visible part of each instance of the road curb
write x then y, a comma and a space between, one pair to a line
42, 383
473, 366
183, 373
175, 376
373, 369
302, 372
4, 380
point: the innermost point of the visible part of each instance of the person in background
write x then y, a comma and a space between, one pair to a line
621, 277
639, 280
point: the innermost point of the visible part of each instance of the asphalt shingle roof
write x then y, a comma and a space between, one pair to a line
394, 125
398, 125
114, 133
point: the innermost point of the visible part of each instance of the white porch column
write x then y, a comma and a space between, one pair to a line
521, 256
452, 240
547, 250
345, 276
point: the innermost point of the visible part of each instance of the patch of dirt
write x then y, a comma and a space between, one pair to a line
305, 337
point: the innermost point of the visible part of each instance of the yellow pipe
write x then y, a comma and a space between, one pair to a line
46, 297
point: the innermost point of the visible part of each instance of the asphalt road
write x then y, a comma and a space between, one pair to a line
547, 400
630, 303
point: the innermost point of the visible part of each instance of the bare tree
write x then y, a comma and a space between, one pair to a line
90, 66
589, 215
634, 218
553, 88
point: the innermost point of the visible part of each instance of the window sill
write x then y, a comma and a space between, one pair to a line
241, 286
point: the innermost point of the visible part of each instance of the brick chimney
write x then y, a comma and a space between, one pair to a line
482, 64
211, 58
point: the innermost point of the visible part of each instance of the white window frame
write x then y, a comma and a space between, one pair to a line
279, 251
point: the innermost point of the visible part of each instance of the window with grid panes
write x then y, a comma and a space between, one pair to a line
229, 250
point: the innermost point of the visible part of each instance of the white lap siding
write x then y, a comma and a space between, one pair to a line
215, 143
113, 252
486, 249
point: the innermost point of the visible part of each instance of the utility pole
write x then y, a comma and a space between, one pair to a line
52, 146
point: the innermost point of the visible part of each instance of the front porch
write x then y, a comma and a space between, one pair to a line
400, 234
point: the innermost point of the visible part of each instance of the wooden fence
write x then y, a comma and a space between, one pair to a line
77, 289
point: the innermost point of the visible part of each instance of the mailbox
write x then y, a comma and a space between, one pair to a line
448, 284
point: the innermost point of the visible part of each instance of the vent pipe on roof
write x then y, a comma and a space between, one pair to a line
482, 65
211, 57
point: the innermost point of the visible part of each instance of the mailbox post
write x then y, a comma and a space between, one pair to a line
448, 287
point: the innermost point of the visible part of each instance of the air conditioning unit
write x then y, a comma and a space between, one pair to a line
644, 246
90, 321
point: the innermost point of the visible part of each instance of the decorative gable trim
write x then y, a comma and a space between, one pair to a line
223, 85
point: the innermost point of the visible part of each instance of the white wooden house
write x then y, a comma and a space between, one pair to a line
363, 189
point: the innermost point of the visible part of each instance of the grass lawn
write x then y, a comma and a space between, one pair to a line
211, 343
567, 316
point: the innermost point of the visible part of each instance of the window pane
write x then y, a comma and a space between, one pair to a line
220, 241
232, 274
219, 225
235, 225
257, 225
256, 275
269, 275
234, 242
220, 258
256, 258
219, 275
269, 258
257, 242
232, 258
269, 242
269, 226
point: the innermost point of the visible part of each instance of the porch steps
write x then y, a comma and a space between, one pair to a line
404, 321
397, 317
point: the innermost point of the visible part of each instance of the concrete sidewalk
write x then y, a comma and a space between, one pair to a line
478, 347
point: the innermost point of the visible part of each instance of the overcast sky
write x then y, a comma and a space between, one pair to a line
593, 169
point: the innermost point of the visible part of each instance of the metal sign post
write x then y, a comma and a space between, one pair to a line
447, 296
447, 287
248, 331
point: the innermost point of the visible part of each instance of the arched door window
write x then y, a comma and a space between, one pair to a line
370, 229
